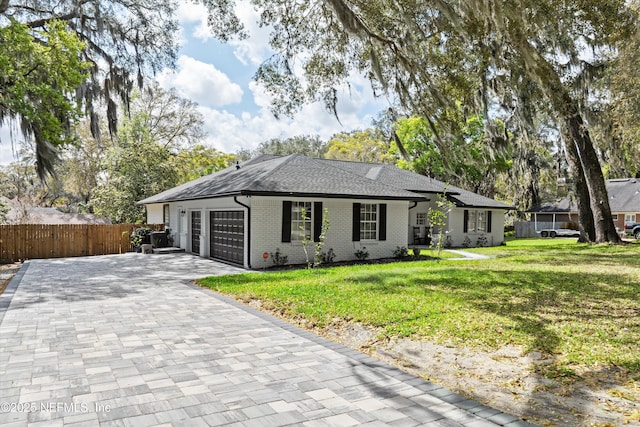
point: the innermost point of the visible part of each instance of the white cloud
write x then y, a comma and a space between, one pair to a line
230, 133
254, 49
253, 122
189, 13
250, 51
202, 83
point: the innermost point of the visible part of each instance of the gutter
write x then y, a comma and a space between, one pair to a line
235, 199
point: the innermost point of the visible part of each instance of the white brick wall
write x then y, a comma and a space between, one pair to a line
456, 228
154, 214
266, 227
181, 224
267, 230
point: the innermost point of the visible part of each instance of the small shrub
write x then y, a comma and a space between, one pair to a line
482, 241
278, 258
327, 257
400, 252
362, 254
141, 236
466, 242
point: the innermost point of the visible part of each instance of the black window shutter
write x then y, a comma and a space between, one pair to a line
488, 221
465, 225
355, 235
317, 221
382, 222
286, 221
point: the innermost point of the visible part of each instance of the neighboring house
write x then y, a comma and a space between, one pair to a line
624, 200
19, 214
253, 209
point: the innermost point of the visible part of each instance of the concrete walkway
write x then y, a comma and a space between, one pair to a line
126, 340
465, 255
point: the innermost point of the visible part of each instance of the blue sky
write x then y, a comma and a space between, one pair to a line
219, 77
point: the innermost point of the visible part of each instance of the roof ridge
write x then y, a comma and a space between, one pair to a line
355, 161
392, 187
282, 159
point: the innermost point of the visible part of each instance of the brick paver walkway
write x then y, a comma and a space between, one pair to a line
126, 340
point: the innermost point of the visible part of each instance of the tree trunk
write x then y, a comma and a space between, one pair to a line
587, 229
601, 211
576, 133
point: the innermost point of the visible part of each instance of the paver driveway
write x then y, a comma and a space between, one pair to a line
127, 340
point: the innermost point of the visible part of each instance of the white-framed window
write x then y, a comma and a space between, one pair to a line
477, 221
421, 218
165, 215
614, 217
300, 221
471, 222
630, 217
368, 221
481, 221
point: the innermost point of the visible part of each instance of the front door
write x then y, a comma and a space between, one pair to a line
195, 231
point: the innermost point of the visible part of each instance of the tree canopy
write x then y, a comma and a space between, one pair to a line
307, 145
90, 51
496, 58
40, 70
368, 145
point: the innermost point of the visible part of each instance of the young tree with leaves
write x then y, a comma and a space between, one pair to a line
367, 145
307, 145
159, 146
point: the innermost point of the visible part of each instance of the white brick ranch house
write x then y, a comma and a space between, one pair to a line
241, 213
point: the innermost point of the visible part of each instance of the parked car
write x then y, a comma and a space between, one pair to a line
559, 232
632, 229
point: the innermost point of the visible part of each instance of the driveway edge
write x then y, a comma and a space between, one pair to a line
10, 290
480, 410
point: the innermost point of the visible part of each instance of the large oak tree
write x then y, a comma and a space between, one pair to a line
115, 42
498, 58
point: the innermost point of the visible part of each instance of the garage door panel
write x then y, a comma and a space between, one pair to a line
227, 236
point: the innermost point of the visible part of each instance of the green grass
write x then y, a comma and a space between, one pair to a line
578, 303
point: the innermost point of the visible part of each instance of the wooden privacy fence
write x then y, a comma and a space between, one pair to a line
28, 241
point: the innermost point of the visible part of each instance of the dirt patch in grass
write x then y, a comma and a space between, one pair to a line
524, 385
7, 271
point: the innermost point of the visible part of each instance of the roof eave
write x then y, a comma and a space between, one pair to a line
416, 198
505, 207
184, 199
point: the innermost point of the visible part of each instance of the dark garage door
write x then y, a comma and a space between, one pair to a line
227, 236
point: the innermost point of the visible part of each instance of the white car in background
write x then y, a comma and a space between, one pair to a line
559, 232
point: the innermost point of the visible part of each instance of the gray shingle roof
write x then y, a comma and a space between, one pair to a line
407, 180
564, 205
289, 175
624, 195
300, 175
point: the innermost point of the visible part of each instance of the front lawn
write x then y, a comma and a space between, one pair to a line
578, 303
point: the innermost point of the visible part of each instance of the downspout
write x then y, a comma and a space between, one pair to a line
414, 205
235, 199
